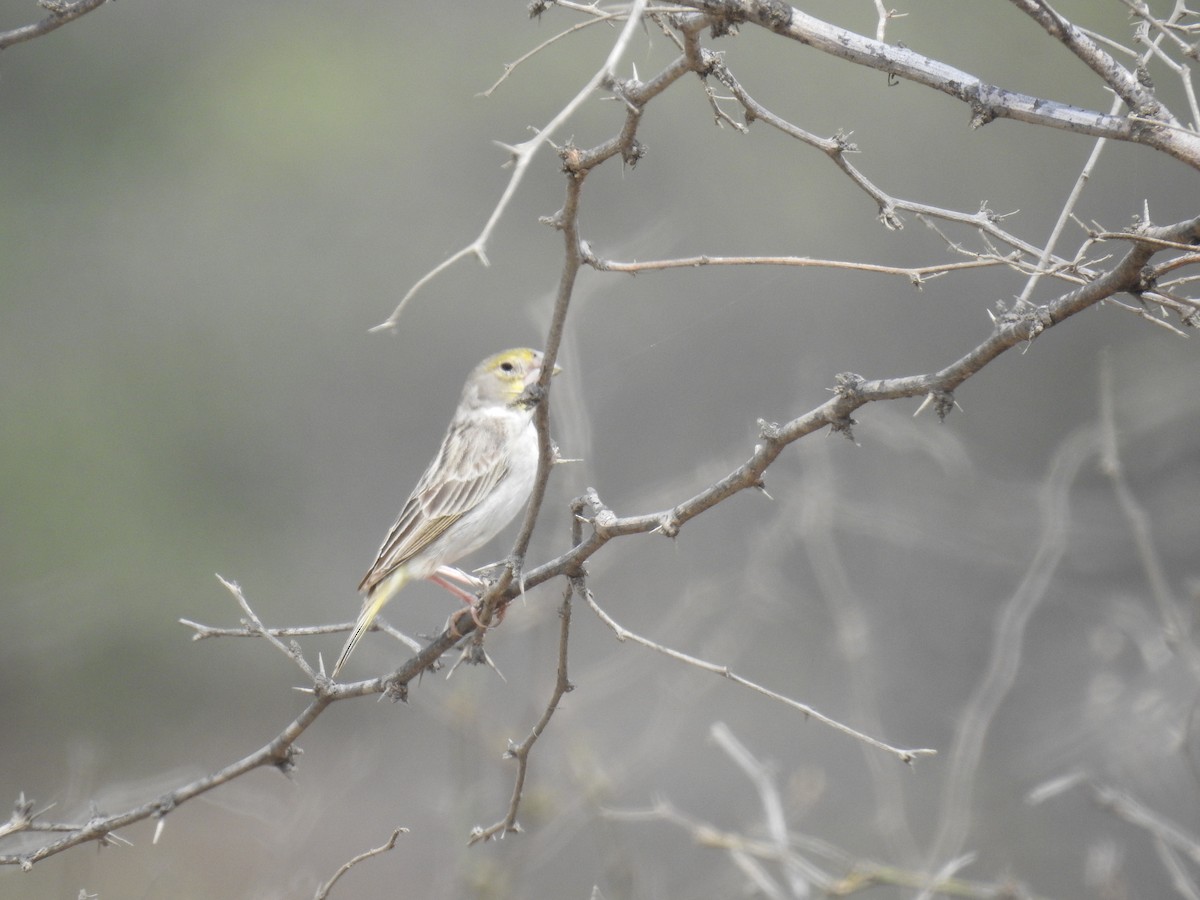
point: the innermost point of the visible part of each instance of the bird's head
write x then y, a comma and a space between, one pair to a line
503, 379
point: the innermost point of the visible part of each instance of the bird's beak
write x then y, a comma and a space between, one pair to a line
535, 374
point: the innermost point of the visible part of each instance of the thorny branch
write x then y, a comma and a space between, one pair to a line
1148, 123
722, 16
576, 585
520, 752
280, 753
1011, 329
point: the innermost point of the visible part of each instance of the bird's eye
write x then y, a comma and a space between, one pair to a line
507, 366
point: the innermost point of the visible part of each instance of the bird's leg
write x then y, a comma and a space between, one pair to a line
469, 599
458, 575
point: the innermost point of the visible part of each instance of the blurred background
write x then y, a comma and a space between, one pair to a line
207, 206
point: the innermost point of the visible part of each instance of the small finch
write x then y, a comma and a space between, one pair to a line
478, 481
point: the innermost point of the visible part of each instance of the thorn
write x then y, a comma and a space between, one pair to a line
475, 655
488, 660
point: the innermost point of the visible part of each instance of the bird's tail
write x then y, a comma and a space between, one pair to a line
373, 603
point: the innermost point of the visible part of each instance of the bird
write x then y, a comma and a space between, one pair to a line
479, 480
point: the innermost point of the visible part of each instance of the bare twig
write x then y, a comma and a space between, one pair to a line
280, 753
520, 752
323, 890
210, 631
522, 156
567, 32
1044, 261
254, 623
885, 15
576, 585
891, 208
624, 634
916, 275
203, 631
61, 12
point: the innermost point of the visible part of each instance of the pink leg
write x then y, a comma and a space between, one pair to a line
462, 595
458, 592
459, 575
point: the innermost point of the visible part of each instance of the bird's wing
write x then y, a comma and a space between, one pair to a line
473, 459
